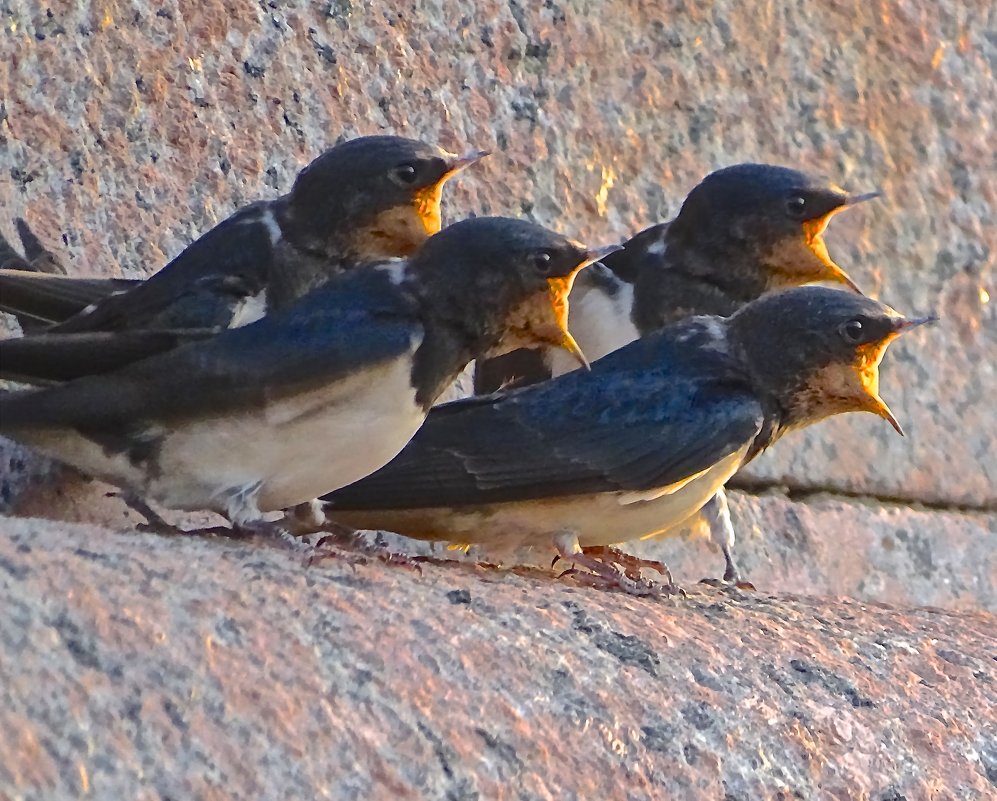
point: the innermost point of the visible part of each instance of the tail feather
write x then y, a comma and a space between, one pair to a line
55, 358
38, 299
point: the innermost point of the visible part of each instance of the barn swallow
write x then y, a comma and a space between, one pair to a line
743, 231
363, 200
355, 364
634, 448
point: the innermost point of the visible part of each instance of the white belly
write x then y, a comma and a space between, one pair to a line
600, 323
598, 519
295, 449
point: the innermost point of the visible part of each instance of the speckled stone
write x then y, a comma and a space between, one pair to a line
821, 545
132, 666
827, 545
125, 131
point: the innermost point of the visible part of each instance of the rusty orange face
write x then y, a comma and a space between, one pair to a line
842, 387
543, 318
399, 230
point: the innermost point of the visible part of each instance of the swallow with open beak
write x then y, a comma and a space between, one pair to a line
366, 199
318, 394
743, 231
634, 448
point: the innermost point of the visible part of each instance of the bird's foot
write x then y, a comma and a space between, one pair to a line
722, 584
273, 532
609, 568
730, 581
154, 523
344, 542
631, 565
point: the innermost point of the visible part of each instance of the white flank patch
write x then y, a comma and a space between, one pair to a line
658, 246
396, 269
270, 223
600, 324
249, 310
299, 447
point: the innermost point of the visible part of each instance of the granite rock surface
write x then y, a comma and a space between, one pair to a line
136, 666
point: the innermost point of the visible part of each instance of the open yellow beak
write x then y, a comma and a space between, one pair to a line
427, 200
868, 369
813, 230
560, 288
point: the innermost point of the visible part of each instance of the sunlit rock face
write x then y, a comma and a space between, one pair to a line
147, 667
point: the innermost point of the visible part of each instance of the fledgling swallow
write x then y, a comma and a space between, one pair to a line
317, 395
743, 231
634, 448
366, 199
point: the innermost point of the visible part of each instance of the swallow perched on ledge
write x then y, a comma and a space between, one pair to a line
366, 199
638, 445
317, 395
743, 231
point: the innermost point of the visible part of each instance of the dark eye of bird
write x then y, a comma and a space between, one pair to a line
543, 262
406, 173
796, 206
852, 332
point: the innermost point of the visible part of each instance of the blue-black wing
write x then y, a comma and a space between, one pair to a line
200, 287
649, 415
358, 320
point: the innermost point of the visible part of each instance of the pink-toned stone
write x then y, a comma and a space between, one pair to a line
128, 129
136, 666
866, 550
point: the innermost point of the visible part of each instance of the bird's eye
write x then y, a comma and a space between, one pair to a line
852, 332
406, 174
796, 206
543, 262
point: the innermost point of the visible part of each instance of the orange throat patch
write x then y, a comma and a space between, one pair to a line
803, 259
839, 388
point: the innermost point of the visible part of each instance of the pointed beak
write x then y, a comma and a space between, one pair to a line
876, 404
458, 163
598, 254
904, 324
854, 200
813, 231
835, 273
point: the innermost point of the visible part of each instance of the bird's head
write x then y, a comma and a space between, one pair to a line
374, 197
817, 350
770, 219
506, 281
